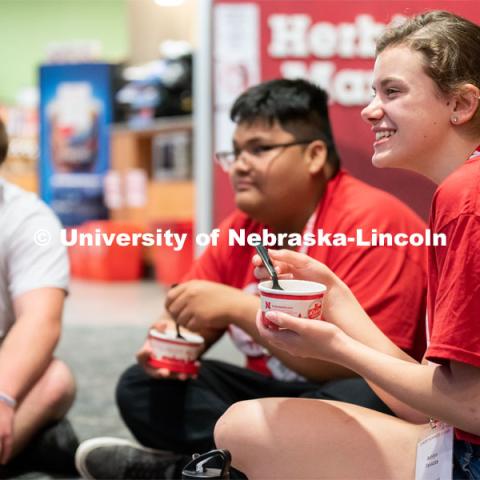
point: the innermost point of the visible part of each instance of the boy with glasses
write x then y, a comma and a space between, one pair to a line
286, 175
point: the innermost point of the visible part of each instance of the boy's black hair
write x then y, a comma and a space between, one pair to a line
298, 106
3, 142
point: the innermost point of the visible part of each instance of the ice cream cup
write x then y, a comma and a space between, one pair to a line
299, 298
173, 353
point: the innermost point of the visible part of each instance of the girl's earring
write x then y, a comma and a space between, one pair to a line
454, 119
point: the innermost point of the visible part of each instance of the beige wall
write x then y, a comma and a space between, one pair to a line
149, 24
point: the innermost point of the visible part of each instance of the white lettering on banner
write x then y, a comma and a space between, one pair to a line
352, 87
368, 32
348, 87
292, 37
346, 48
323, 40
288, 35
295, 36
320, 73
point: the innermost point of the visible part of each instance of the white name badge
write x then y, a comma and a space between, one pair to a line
435, 454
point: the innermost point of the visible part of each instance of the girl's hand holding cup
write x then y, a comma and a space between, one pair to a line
339, 304
302, 337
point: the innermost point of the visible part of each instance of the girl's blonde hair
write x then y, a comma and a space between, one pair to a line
449, 45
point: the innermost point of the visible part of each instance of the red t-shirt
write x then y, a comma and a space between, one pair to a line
454, 272
389, 282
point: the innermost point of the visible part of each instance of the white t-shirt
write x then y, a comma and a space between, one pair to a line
25, 265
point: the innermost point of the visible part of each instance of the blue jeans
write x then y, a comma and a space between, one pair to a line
466, 461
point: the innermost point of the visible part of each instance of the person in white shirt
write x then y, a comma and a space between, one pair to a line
36, 389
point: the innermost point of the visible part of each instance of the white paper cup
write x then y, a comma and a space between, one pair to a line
174, 353
299, 298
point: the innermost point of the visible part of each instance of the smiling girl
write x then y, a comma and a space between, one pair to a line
425, 117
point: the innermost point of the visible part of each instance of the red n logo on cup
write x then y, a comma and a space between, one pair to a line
315, 310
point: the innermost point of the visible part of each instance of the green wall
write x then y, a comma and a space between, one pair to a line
28, 26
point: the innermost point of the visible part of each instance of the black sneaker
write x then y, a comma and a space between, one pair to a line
114, 458
52, 450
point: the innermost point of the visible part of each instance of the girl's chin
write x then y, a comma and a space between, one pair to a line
377, 163
382, 160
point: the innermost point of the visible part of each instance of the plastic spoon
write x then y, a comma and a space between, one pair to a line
262, 251
177, 326
179, 335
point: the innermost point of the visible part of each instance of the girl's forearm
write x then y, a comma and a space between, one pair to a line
413, 389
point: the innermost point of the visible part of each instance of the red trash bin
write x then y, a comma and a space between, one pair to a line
170, 265
108, 261
114, 262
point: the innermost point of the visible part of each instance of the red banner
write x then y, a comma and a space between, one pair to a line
331, 43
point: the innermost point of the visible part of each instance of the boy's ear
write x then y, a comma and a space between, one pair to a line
317, 153
465, 104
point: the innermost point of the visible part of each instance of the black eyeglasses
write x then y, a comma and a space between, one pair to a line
260, 152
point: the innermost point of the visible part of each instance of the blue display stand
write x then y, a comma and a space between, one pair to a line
76, 111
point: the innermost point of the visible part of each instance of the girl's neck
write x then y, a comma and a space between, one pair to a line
450, 157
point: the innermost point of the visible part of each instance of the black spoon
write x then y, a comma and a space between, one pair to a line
179, 335
177, 326
262, 251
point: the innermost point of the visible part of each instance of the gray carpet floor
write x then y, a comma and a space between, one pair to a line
98, 355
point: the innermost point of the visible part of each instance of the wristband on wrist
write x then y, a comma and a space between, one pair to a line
8, 400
